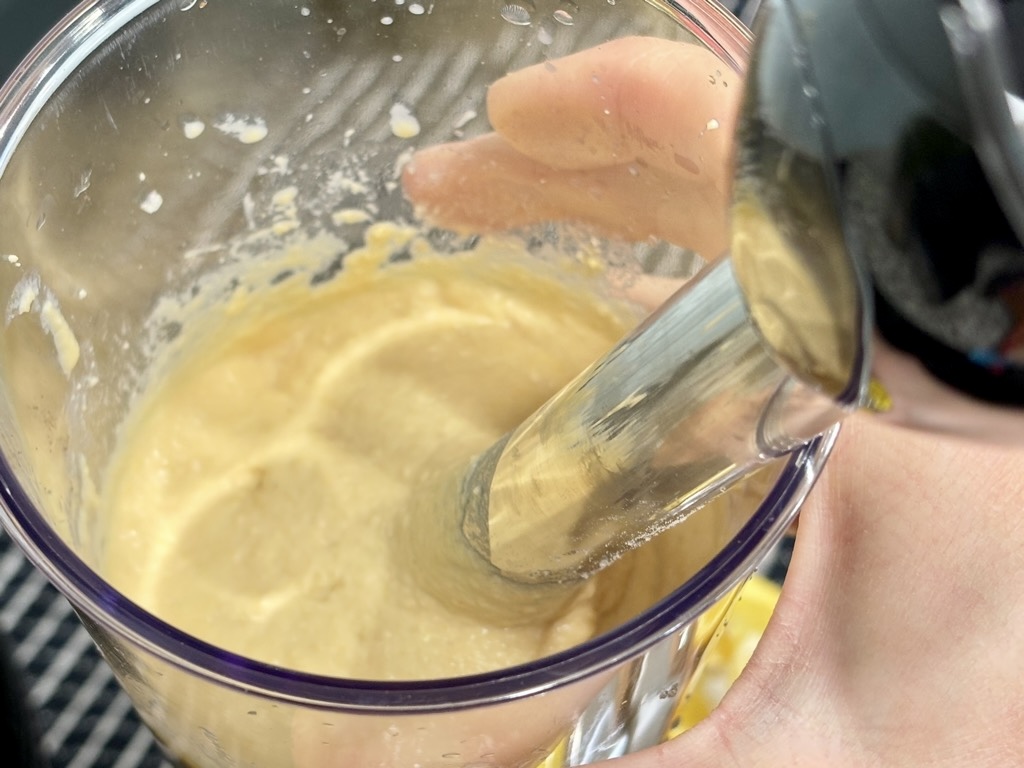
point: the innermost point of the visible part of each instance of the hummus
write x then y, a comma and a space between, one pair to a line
281, 489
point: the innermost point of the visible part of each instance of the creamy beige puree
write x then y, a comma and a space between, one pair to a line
283, 487
274, 490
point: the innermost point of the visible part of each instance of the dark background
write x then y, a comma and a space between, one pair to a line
22, 23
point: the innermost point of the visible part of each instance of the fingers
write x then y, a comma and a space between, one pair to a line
630, 138
665, 104
486, 185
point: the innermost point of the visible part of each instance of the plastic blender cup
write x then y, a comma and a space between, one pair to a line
141, 144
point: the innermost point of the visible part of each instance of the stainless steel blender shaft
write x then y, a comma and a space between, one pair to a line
876, 260
681, 409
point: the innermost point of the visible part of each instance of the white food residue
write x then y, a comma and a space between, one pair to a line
249, 210
401, 161
193, 129
340, 182
279, 166
64, 340
29, 294
350, 216
284, 199
284, 210
248, 130
23, 297
151, 202
713, 124
404, 124
465, 118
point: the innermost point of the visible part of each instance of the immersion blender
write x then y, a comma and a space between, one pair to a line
876, 262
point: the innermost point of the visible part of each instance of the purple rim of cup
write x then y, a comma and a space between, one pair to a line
31, 84
115, 613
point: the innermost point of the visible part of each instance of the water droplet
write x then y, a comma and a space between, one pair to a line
519, 13
185, 5
396, 58
83, 182
304, 11
810, 91
387, 21
417, 10
44, 210
565, 14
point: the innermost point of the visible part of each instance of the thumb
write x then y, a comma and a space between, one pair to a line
778, 712
756, 725
737, 730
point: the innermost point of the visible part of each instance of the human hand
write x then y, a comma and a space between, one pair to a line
631, 138
898, 636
